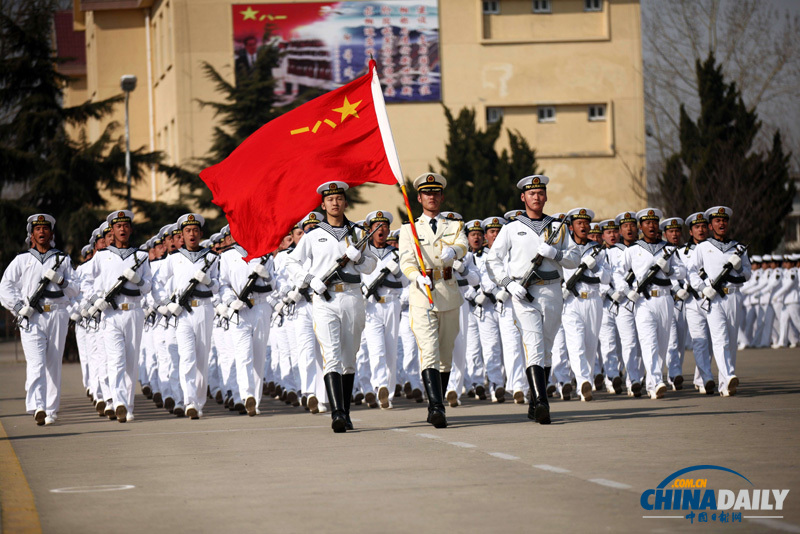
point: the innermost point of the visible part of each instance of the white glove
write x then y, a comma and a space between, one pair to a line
473, 279
663, 264
458, 266
565, 293
175, 308
547, 251
75, 316
448, 253
294, 296
26, 311
423, 281
616, 296
709, 292
352, 253
56, 278
261, 270
236, 305
480, 298
681, 294
502, 295
318, 285
393, 267
516, 289
589, 262
469, 293
202, 277
220, 309
279, 307
163, 310
633, 296
735, 261
85, 312
132, 276
101, 305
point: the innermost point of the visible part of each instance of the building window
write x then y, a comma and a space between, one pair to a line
541, 6
593, 5
494, 115
547, 113
597, 112
491, 7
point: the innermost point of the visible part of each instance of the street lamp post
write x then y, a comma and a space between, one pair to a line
128, 84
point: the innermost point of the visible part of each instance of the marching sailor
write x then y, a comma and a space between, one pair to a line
672, 230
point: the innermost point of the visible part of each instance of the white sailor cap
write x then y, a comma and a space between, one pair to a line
175, 228
672, 223
722, 212
332, 188
608, 224
594, 228
580, 213
756, 259
513, 214
206, 243
164, 231
696, 218
86, 250
626, 217
394, 235
794, 257
777, 257
104, 228
451, 215
535, 181
379, 216
215, 238
119, 216
559, 216
40, 219
767, 257
430, 181
493, 222
144, 246
473, 226
190, 219
649, 214
225, 230
313, 217
360, 223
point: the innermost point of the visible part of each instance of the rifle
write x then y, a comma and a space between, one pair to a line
341, 262
117, 289
372, 289
33, 300
183, 300
651, 274
252, 278
576, 276
536, 262
721, 278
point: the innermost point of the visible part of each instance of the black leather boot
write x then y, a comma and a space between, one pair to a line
542, 409
333, 384
347, 392
532, 402
445, 380
433, 385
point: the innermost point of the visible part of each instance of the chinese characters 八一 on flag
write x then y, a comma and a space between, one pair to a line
270, 181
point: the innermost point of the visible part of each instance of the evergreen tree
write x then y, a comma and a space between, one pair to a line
718, 165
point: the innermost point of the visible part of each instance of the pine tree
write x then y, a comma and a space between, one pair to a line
718, 165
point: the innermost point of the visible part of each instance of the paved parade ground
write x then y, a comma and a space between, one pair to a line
492, 470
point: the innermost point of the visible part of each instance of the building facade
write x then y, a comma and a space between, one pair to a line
567, 74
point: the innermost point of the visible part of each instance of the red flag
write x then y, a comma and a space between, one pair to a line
270, 181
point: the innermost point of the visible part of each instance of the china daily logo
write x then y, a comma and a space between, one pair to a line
704, 504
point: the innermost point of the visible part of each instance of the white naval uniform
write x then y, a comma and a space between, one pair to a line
583, 315
166, 345
338, 322
711, 255
653, 315
249, 334
43, 338
626, 323
461, 346
82, 334
790, 318
697, 323
285, 334
122, 328
382, 325
610, 350
517, 244
408, 345
193, 329
489, 324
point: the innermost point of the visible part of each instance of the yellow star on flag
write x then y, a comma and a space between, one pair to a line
249, 13
347, 109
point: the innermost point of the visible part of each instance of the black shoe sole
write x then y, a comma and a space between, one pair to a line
169, 405
250, 406
339, 425
542, 414
158, 400
438, 420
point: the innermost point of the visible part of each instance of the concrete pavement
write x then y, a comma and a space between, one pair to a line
492, 469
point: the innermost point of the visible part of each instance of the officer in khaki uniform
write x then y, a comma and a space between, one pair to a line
442, 241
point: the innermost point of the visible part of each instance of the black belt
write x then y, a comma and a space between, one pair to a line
391, 284
462, 283
262, 289
130, 292
661, 282
548, 275
197, 293
589, 279
346, 278
52, 294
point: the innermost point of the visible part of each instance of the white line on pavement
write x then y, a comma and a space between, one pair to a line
609, 483
503, 456
92, 489
552, 468
462, 444
399, 430
429, 436
775, 524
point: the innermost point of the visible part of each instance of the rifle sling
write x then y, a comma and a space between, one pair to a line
391, 284
346, 278
129, 292
52, 294
197, 293
262, 289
